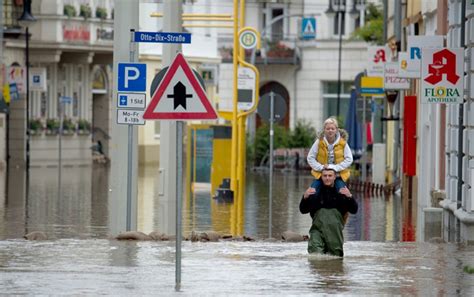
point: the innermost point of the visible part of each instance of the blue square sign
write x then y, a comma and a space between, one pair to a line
131, 77
36, 79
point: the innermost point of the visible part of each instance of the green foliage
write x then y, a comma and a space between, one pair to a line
83, 125
85, 11
36, 124
68, 125
262, 140
69, 10
302, 136
52, 125
469, 269
373, 12
372, 31
101, 13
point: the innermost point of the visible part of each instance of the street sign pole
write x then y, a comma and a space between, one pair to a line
179, 199
270, 184
61, 127
130, 148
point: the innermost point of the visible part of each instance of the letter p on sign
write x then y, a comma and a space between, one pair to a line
131, 77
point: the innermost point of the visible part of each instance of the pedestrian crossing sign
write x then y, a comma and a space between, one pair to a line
308, 28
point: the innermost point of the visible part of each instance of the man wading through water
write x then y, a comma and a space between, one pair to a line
327, 209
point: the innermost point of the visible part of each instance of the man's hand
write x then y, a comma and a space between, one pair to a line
310, 191
345, 191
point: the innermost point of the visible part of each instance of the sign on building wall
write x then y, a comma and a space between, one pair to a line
371, 86
73, 32
17, 75
38, 79
415, 46
377, 57
442, 75
308, 28
392, 80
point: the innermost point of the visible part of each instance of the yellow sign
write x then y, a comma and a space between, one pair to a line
371, 86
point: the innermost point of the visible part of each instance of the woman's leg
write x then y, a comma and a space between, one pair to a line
316, 184
339, 184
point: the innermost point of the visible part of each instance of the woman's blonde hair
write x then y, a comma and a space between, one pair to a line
330, 120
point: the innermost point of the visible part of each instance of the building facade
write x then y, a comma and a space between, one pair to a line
70, 49
303, 71
458, 219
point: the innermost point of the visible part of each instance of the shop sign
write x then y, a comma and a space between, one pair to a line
393, 81
442, 75
415, 45
377, 57
76, 33
105, 34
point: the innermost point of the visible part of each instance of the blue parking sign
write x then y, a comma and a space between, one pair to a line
131, 77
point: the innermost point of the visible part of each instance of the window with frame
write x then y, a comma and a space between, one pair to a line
277, 30
338, 15
330, 98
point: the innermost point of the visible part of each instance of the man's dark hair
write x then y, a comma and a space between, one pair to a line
329, 169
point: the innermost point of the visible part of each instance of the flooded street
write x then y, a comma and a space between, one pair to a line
81, 260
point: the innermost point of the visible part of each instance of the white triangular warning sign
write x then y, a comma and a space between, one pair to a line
179, 96
309, 28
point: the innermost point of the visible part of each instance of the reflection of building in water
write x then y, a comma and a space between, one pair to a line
146, 198
72, 211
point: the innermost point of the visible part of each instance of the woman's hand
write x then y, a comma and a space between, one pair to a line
310, 191
345, 191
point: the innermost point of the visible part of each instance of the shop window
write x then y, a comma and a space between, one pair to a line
44, 105
341, 15
330, 98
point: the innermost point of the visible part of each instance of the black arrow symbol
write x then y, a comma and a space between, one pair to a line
179, 95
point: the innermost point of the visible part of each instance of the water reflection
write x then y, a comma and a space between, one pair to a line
82, 210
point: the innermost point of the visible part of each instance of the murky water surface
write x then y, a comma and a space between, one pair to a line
81, 260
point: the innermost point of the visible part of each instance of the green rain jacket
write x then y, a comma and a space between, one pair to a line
327, 209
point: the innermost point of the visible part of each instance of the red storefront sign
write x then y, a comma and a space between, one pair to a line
409, 136
76, 33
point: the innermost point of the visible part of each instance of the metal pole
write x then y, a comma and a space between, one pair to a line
179, 200
461, 129
270, 183
385, 20
61, 128
130, 149
234, 137
364, 141
27, 64
340, 13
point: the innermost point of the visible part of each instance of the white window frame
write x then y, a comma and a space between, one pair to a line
267, 12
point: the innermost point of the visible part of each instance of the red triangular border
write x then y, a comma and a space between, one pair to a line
151, 115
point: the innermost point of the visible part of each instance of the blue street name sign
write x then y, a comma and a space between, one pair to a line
162, 37
65, 100
131, 77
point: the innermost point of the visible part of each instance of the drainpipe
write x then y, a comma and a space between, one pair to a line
461, 128
385, 20
295, 88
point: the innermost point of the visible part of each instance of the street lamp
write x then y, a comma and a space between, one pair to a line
25, 19
339, 12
